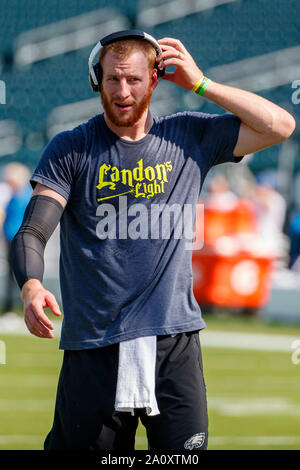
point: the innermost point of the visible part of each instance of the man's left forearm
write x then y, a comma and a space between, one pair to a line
256, 112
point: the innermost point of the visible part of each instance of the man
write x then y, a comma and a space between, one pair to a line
131, 323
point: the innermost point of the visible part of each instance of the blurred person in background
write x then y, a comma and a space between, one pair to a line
270, 207
220, 196
270, 211
5, 195
17, 176
294, 234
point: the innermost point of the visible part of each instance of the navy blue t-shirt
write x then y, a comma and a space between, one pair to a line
125, 262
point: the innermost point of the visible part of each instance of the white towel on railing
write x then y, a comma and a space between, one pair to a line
136, 375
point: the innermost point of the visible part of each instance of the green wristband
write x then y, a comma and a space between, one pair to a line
203, 87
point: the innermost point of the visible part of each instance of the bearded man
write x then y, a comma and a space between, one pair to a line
131, 324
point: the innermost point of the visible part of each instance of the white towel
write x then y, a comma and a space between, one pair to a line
136, 375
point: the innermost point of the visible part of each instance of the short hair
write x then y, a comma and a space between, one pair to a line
122, 49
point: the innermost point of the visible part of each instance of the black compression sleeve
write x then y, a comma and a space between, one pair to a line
41, 217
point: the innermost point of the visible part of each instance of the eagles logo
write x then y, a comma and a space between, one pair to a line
195, 442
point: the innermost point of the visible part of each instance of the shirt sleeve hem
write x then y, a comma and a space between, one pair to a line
237, 159
50, 184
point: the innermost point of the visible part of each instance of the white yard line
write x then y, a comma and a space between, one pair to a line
215, 441
22, 438
264, 406
254, 341
270, 441
30, 381
26, 405
14, 325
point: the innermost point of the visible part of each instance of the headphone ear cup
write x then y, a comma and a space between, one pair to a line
160, 72
98, 73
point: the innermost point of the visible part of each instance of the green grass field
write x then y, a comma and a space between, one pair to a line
253, 396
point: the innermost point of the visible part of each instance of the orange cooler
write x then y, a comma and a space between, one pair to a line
240, 280
229, 271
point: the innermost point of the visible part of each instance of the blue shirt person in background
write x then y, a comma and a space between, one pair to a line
294, 234
17, 176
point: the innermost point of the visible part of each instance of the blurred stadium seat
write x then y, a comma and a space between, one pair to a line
231, 40
17, 16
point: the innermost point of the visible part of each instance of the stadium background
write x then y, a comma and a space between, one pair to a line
252, 44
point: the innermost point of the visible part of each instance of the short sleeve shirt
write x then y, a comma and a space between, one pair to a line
127, 229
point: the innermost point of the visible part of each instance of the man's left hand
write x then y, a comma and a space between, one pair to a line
187, 72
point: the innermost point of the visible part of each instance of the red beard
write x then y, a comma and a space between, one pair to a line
136, 113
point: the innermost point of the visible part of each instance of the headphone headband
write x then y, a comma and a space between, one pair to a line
126, 34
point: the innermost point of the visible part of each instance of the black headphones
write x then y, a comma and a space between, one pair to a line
95, 68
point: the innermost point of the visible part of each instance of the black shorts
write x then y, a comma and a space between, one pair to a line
84, 411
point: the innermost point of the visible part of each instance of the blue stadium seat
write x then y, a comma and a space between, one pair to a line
225, 34
17, 16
